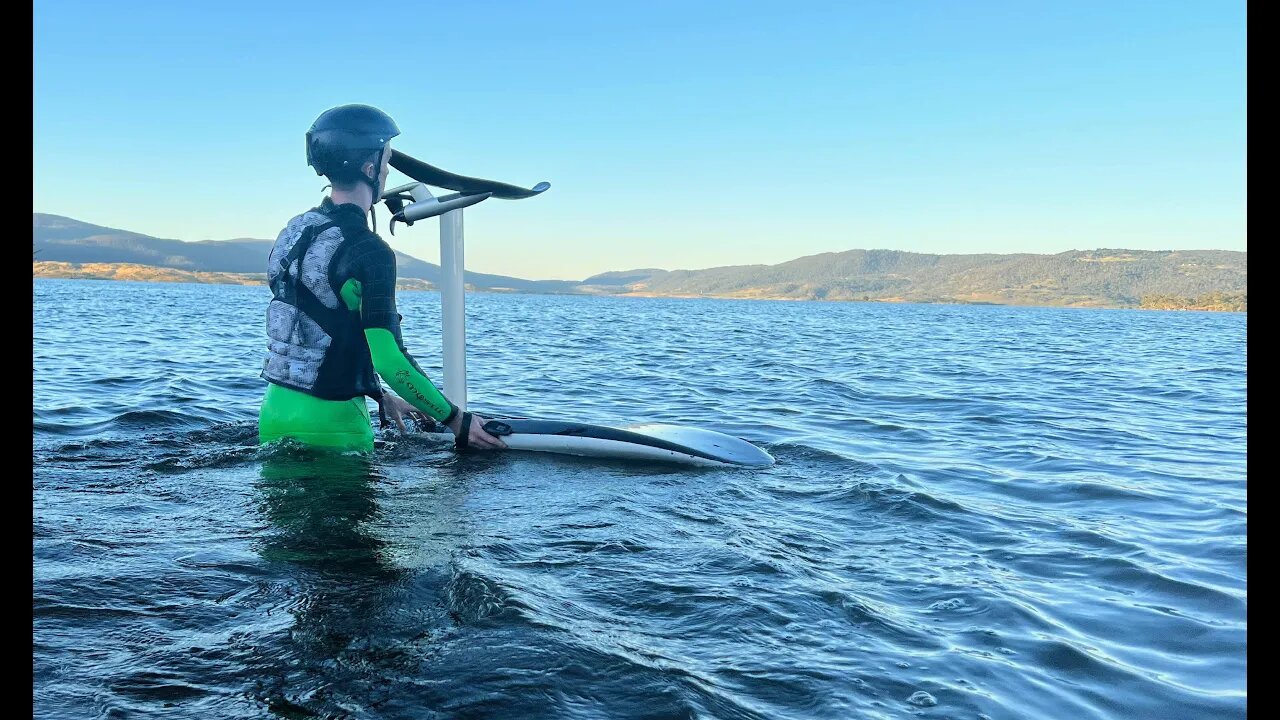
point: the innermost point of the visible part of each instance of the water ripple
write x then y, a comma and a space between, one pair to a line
976, 512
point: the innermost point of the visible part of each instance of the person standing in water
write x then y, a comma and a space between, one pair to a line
332, 325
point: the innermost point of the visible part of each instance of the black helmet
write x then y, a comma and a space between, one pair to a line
343, 138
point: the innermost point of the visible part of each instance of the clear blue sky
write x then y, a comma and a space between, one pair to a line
674, 134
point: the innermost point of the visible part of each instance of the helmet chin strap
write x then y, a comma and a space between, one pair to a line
375, 184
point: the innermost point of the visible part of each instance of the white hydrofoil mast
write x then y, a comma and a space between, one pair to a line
651, 441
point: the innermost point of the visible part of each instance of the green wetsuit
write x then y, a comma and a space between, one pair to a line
333, 331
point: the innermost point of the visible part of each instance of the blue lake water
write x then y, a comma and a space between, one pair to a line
976, 511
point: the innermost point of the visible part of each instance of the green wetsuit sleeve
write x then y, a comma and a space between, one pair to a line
404, 377
392, 361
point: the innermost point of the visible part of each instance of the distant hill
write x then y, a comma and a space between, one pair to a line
1199, 279
58, 239
1103, 278
61, 239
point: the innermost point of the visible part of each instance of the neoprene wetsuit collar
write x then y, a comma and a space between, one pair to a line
336, 211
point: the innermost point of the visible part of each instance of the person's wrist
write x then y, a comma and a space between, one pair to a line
455, 413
